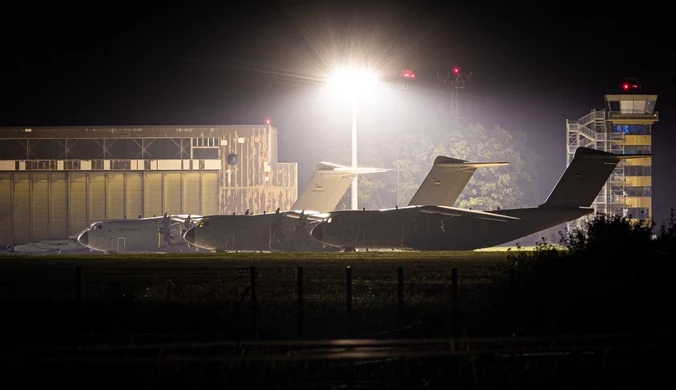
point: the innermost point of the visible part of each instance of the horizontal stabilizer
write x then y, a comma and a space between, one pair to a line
328, 185
634, 155
446, 180
310, 215
457, 212
592, 154
471, 164
358, 171
328, 168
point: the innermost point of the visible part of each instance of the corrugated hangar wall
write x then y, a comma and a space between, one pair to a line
37, 206
256, 182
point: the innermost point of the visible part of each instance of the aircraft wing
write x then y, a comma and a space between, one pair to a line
446, 180
457, 212
183, 217
188, 220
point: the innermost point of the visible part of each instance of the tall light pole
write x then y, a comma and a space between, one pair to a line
353, 85
355, 192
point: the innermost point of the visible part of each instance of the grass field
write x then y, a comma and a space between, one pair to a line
485, 255
211, 293
214, 294
145, 300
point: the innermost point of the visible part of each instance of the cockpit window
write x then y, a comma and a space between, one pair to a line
203, 223
96, 226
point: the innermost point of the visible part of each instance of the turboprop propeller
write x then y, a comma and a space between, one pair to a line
164, 231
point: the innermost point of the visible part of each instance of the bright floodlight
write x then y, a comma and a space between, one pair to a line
352, 83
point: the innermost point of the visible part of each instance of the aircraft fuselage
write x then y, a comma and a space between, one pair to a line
260, 232
410, 228
132, 235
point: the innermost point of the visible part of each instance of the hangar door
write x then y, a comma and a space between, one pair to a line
33, 206
112, 195
39, 206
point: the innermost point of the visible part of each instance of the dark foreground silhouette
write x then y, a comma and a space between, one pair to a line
597, 314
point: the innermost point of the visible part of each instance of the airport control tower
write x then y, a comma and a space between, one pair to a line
624, 126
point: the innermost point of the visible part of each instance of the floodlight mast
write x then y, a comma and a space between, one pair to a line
355, 192
353, 85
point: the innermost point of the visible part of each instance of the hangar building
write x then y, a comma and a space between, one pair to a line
54, 181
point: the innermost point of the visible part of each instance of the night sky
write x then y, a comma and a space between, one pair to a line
533, 66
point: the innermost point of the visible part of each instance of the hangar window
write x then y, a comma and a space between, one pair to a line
13, 149
205, 142
72, 165
46, 149
41, 165
162, 148
123, 149
84, 149
205, 154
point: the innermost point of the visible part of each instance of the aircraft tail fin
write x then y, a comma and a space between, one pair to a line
446, 180
328, 185
584, 177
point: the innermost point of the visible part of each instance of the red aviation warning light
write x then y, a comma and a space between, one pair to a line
456, 70
268, 121
408, 74
631, 85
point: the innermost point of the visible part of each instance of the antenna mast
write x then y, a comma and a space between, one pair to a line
455, 80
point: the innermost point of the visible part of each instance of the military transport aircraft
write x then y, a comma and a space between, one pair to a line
164, 234
290, 230
154, 234
278, 231
432, 227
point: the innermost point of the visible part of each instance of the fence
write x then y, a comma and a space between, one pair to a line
276, 302
251, 291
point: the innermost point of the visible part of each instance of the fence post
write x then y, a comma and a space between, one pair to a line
78, 284
400, 291
512, 300
254, 301
573, 302
348, 277
454, 302
301, 302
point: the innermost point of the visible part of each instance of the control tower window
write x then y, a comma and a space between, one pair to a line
636, 149
632, 107
637, 170
649, 106
632, 129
